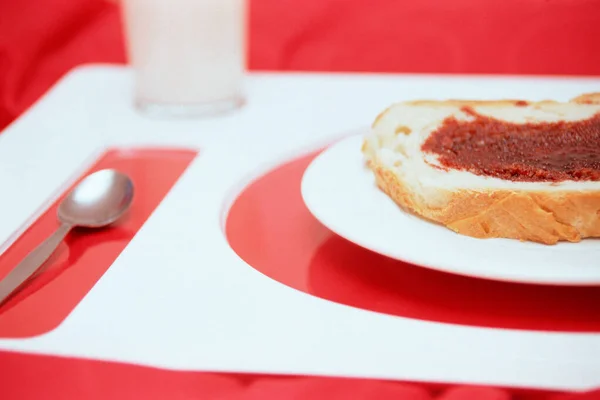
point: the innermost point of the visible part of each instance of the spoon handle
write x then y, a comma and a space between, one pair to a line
28, 267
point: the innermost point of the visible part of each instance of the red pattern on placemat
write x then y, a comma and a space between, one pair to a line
269, 227
40, 40
27, 377
84, 257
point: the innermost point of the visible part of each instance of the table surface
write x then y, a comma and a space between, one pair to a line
209, 311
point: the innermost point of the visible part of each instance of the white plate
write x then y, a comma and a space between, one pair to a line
341, 193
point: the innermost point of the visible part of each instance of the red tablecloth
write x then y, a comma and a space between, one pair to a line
34, 377
40, 40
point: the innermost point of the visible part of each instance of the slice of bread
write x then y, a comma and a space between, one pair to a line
475, 204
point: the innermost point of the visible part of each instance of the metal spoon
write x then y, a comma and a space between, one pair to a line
97, 201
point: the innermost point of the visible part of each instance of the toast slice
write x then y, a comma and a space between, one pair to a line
520, 197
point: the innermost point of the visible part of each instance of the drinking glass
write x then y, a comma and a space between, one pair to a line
188, 56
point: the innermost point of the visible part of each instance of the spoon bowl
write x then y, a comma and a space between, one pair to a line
98, 200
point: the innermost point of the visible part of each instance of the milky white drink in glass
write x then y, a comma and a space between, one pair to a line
188, 55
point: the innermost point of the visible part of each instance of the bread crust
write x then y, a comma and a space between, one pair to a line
538, 216
587, 98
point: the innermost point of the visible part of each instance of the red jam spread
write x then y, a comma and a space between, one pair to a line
529, 152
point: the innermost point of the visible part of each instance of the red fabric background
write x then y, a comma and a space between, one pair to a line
25, 377
40, 40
